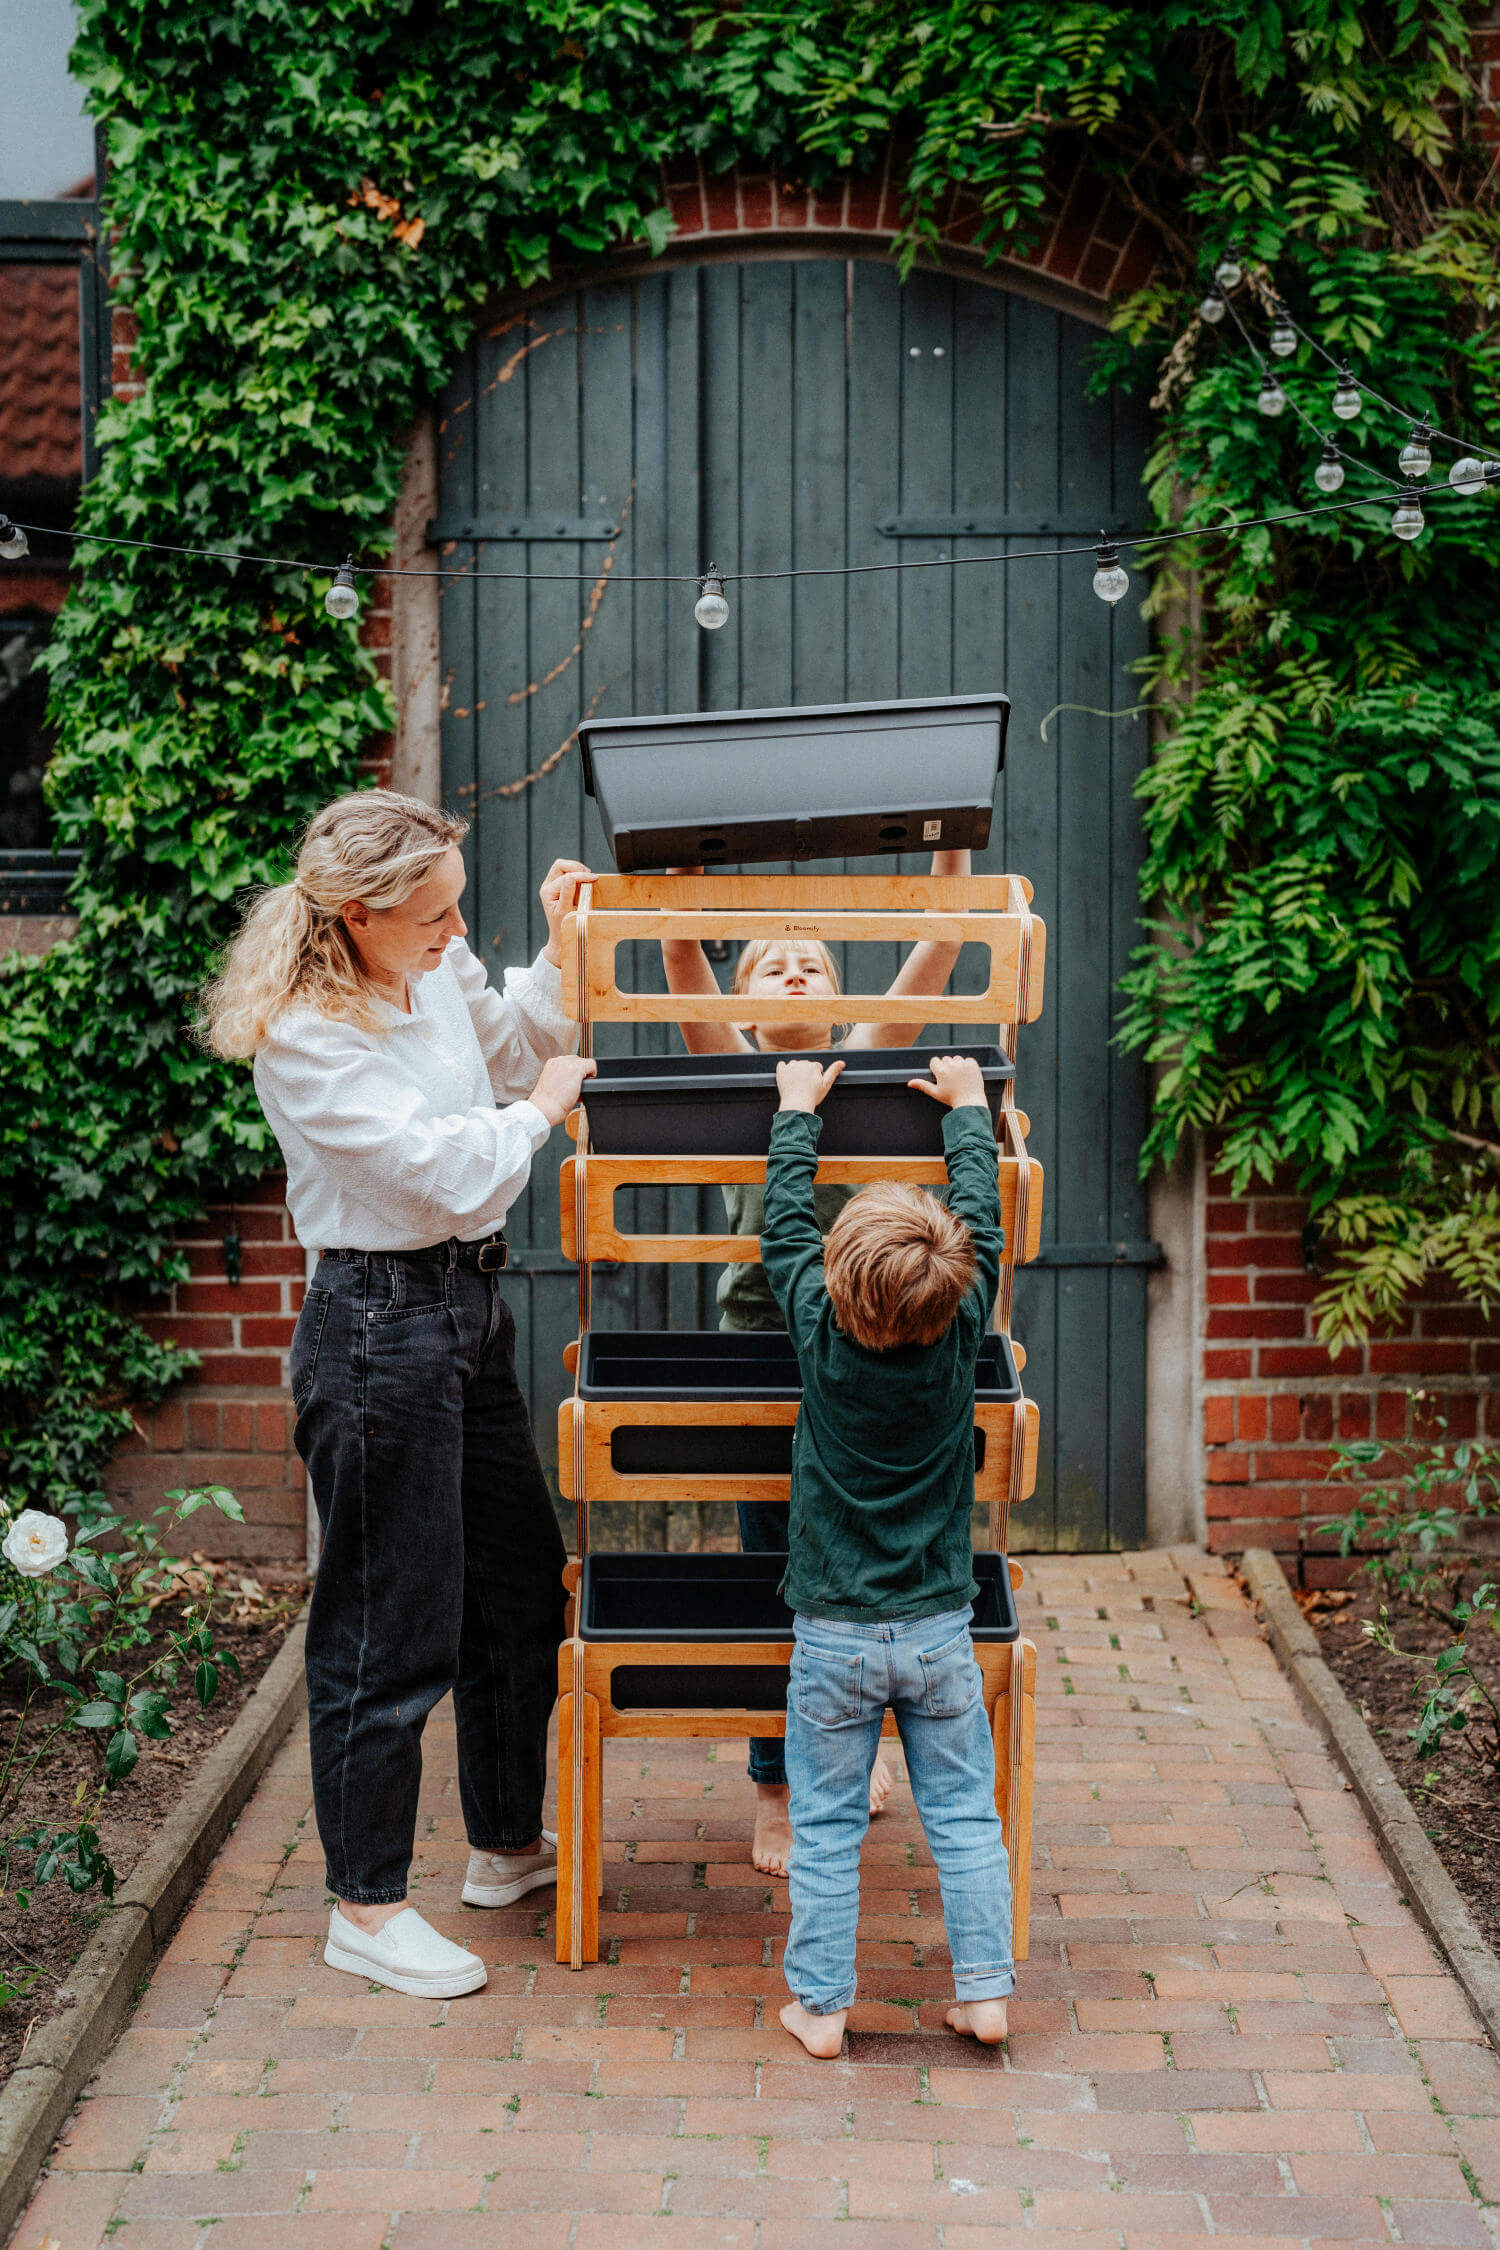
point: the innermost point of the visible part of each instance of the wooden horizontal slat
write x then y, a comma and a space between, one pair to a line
601, 1659
607, 1174
604, 1482
769, 893
1000, 934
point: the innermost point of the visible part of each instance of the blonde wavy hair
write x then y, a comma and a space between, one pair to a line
293, 949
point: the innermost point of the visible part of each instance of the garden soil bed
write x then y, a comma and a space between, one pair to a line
40, 1943
1458, 1808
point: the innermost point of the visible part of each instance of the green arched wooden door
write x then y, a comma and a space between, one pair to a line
805, 411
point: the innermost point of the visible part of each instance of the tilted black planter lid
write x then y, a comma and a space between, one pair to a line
825, 781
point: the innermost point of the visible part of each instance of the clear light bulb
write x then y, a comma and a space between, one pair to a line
1416, 454
341, 599
1272, 400
1212, 308
1408, 521
13, 540
1465, 476
1111, 579
711, 609
1282, 341
1328, 476
1347, 397
1229, 272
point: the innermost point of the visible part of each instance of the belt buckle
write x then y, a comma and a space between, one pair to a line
493, 1257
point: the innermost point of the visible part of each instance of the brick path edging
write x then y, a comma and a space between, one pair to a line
1403, 1841
39, 2093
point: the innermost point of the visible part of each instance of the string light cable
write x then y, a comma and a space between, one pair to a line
1466, 476
1328, 476
1110, 582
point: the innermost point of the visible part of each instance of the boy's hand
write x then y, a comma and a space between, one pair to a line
803, 1084
957, 1082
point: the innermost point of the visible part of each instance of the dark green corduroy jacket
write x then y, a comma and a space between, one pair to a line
883, 1460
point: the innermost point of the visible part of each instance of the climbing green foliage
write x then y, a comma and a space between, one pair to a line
313, 205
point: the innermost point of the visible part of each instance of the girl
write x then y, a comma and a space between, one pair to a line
381, 1052
771, 967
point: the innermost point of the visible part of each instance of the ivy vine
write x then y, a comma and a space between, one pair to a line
313, 203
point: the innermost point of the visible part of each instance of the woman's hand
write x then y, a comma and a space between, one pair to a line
559, 895
803, 1084
557, 1090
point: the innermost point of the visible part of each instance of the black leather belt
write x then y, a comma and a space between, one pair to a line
490, 1256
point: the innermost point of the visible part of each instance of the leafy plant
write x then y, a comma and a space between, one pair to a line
306, 231
1408, 1530
75, 1636
1418, 1560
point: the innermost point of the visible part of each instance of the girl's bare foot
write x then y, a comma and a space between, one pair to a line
982, 2019
771, 1845
881, 1782
822, 2036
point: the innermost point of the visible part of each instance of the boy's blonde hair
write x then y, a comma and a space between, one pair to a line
897, 1265
755, 952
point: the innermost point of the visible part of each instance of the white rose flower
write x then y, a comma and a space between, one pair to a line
35, 1543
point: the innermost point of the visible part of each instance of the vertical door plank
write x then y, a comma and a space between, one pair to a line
1033, 813
1081, 996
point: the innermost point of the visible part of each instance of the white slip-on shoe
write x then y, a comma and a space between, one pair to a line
500, 1878
407, 1954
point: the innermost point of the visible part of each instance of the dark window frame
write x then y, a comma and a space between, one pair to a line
57, 232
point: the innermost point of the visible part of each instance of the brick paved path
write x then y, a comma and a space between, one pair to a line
1230, 2025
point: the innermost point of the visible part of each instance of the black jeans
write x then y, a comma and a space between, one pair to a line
763, 1531
441, 1565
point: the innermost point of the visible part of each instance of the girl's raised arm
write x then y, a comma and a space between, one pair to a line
688, 969
926, 968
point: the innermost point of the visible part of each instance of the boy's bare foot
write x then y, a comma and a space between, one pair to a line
771, 1845
881, 1782
822, 2036
982, 2019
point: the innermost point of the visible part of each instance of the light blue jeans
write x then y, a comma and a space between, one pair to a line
844, 1679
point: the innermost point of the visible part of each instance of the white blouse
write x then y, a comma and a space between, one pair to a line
391, 1139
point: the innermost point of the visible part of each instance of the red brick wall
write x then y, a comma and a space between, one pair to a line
231, 1421
1273, 1397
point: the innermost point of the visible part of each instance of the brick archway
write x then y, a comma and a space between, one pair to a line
1090, 251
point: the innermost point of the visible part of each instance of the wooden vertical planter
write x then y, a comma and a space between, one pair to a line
993, 910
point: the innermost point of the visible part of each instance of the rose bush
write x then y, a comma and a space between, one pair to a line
76, 1645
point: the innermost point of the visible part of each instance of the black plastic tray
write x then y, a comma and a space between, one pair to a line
710, 1366
827, 782
722, 1105
723, 1598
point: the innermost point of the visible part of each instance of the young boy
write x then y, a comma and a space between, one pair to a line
887, 1317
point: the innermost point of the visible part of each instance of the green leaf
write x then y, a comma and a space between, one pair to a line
98, 1714
121, 1755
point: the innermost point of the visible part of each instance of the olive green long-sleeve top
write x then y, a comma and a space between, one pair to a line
883, 1459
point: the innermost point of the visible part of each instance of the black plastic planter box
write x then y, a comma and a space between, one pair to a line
713, 1367
722, 1105
723, 1598
832, 781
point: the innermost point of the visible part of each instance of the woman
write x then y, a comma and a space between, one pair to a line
380, 1054
771, 968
